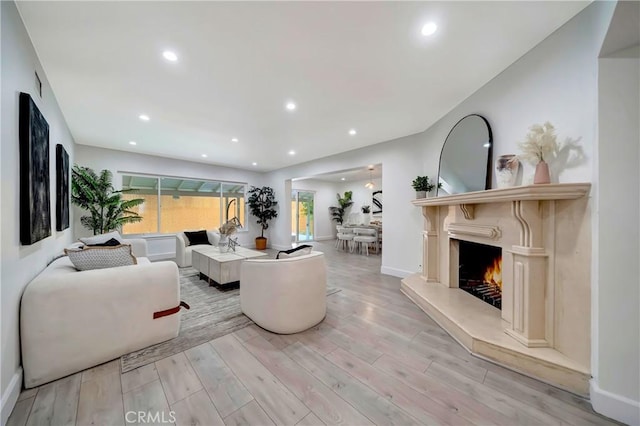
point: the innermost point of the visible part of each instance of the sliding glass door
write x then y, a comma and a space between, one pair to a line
302, 223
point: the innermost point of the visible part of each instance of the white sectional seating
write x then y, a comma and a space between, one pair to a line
71, 320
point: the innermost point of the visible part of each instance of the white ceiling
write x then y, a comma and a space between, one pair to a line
361, 65
351, 175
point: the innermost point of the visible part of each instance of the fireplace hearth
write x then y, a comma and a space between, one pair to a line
480, 272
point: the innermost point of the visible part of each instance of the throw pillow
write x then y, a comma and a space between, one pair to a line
197, 237
90, 258
111, 243
295, 252
100, 239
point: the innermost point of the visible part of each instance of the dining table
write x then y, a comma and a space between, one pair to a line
378, 229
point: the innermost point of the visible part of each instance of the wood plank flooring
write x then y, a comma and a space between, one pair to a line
375, 359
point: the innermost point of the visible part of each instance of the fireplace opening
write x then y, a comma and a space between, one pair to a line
480, 272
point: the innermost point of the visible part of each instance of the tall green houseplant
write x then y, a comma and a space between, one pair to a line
96, 194
337, 212
262, 203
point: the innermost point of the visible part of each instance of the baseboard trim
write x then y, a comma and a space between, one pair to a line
10, 395
394, 272
615, 406
162, 256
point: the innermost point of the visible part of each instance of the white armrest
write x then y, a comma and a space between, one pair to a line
181, 247
138, 246
213, 237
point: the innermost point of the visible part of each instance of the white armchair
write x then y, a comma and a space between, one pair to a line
184, 250
285, 296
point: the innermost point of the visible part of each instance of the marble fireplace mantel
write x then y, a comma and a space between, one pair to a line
542, 230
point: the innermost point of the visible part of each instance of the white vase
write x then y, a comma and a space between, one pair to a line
507, 167
366, 218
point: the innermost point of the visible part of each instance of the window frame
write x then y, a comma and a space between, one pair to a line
159, 178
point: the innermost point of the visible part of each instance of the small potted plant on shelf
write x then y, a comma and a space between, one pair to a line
423, 186
262, 202
366, 214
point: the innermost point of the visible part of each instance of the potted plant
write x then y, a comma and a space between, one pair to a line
337, 213
366, 214
262, 202
95, 193
423, 186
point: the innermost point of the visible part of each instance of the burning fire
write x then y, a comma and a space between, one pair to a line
493, 273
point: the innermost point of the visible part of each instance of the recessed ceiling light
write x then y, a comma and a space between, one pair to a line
290, 106
254, 164
234, 140
132, 143
204, 155
292, 152
486, 145
144, 117
352, 132
170, 56
343, 178
429, 29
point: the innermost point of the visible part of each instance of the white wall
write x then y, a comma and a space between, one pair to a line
557, 82
615, 389
20, 264
163, 246
361, 195
325, 196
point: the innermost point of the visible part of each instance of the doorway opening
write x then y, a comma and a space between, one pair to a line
302, 216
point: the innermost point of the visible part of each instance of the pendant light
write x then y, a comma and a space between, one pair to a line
370, 184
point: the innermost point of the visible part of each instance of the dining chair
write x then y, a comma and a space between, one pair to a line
345, 238
364, 237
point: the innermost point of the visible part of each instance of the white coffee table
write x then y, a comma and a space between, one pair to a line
220, 266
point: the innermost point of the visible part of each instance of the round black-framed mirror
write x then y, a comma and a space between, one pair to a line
465, 159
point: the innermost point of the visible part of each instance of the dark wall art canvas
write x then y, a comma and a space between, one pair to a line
62, 188
377, 201
35, 210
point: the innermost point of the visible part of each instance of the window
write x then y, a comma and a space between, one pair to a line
174, 204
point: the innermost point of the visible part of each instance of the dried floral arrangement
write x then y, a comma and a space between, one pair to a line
230, 227
540, 144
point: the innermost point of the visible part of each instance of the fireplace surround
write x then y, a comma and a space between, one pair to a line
543, 232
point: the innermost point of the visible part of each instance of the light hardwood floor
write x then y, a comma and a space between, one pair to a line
375, 359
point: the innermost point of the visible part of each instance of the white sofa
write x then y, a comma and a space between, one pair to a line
183, 250
285, 296
72, 320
